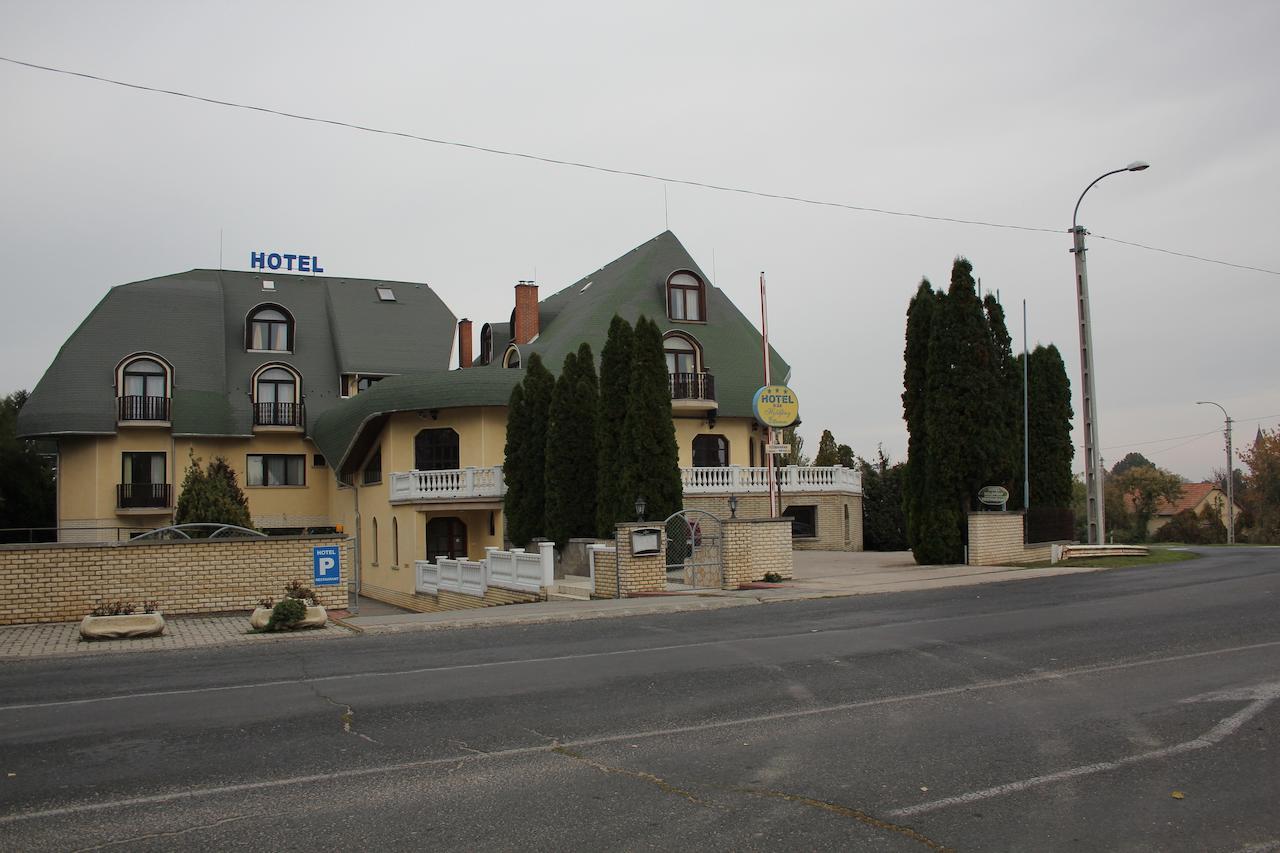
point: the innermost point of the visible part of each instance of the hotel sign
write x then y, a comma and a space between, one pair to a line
776, 406
284, 261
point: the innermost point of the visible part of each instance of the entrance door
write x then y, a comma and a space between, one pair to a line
446, 537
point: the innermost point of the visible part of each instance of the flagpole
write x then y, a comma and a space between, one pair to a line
764, 341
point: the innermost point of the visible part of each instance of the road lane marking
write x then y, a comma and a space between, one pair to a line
548, 748
1261, 694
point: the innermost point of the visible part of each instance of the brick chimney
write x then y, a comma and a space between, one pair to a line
464, 343
526, 325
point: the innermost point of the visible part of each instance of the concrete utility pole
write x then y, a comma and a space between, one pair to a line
1231, 476
1093, 474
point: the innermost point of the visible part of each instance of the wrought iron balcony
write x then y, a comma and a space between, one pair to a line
693, 386
137, 408
144, 495
279, 414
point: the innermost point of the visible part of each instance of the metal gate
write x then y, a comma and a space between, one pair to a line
694, 549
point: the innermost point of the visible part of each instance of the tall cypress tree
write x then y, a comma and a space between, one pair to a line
1005, 410
915, 405
612, 503
1049, 448
539, 385
827, 454
650, 455
571, 450
513, 501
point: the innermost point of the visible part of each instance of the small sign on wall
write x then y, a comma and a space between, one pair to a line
645, 541
326, 565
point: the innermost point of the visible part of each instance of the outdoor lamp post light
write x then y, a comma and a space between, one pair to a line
1092, 446
640, 505
1231, 476
733, 506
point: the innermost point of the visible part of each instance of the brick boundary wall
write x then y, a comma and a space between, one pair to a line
755, 546
606, 575
61, 582
641, 574
996, 539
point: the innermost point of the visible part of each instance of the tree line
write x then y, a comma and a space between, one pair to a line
582, 448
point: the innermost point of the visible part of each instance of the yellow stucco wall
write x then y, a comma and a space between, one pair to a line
736, 430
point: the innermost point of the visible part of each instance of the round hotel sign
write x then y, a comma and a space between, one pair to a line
993, 495
776, 406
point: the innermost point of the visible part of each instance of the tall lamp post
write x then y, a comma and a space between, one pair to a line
1231, 476
1092, 447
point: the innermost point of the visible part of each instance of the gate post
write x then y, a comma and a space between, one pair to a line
640, 572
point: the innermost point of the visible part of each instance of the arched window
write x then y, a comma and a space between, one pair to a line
436, 450
395, 541
276, 397
375, 541
144, 386
269, 328
686, 297
486, 344
511, 358
446, 537
710, 451
681, 352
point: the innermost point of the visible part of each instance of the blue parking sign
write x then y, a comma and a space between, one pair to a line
326, 565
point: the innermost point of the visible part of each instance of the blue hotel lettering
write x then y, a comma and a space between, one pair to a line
275, 261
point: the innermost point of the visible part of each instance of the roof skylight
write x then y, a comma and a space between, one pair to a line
386, 294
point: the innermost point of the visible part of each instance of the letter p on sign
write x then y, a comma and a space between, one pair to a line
326, 565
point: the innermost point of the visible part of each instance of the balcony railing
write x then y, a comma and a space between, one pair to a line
136, 408
144, 495
279, 414
693, 386
735, 479
448, 485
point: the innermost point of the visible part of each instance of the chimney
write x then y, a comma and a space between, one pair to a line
464, 343
526, 325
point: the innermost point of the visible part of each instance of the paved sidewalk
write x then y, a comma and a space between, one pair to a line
818, 574
180, 632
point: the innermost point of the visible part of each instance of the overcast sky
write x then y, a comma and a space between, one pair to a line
995, 111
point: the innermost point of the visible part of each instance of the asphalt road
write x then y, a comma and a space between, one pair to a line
1053, 714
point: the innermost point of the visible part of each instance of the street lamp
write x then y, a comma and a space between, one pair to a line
1231, 476
1092, 445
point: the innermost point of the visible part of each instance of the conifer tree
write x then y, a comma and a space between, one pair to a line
915, 405
211, 496
1049, 447
571, 450
650, 455
612, 503
1004, 412
527, 476
513, 502
828, 454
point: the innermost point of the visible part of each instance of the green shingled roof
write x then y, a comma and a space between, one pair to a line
195, 320
632, 285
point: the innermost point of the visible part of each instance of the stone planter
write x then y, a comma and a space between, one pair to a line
316, 618
116, 627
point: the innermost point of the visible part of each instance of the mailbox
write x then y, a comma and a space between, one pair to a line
645, 541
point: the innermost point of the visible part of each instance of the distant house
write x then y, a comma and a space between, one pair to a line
1195, 497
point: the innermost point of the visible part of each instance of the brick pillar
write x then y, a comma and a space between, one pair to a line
464, 343
526, 324
641, 573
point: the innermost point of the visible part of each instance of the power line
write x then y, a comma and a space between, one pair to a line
1185, 255
555, 161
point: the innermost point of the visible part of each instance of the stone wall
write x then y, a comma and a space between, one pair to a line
606, 574
754, 547
60, 582
829, 513
996, 539
634, 574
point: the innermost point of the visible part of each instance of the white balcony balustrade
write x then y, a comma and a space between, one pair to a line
517, 569
456, 484
734, 479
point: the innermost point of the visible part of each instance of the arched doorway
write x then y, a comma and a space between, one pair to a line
446, 537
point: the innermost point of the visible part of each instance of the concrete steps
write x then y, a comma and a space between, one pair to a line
571, 588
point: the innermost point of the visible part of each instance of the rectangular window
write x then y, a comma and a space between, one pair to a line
373, 469
276, 469
804, 521
142, 468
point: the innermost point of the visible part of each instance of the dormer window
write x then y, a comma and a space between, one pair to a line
269, 329
143, 383
511, 358
686, 297
681, 353
276, 398
486, 344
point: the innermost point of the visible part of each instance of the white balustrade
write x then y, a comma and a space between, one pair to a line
526, 571
428, 577
464, 576
733, 479
449, 484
